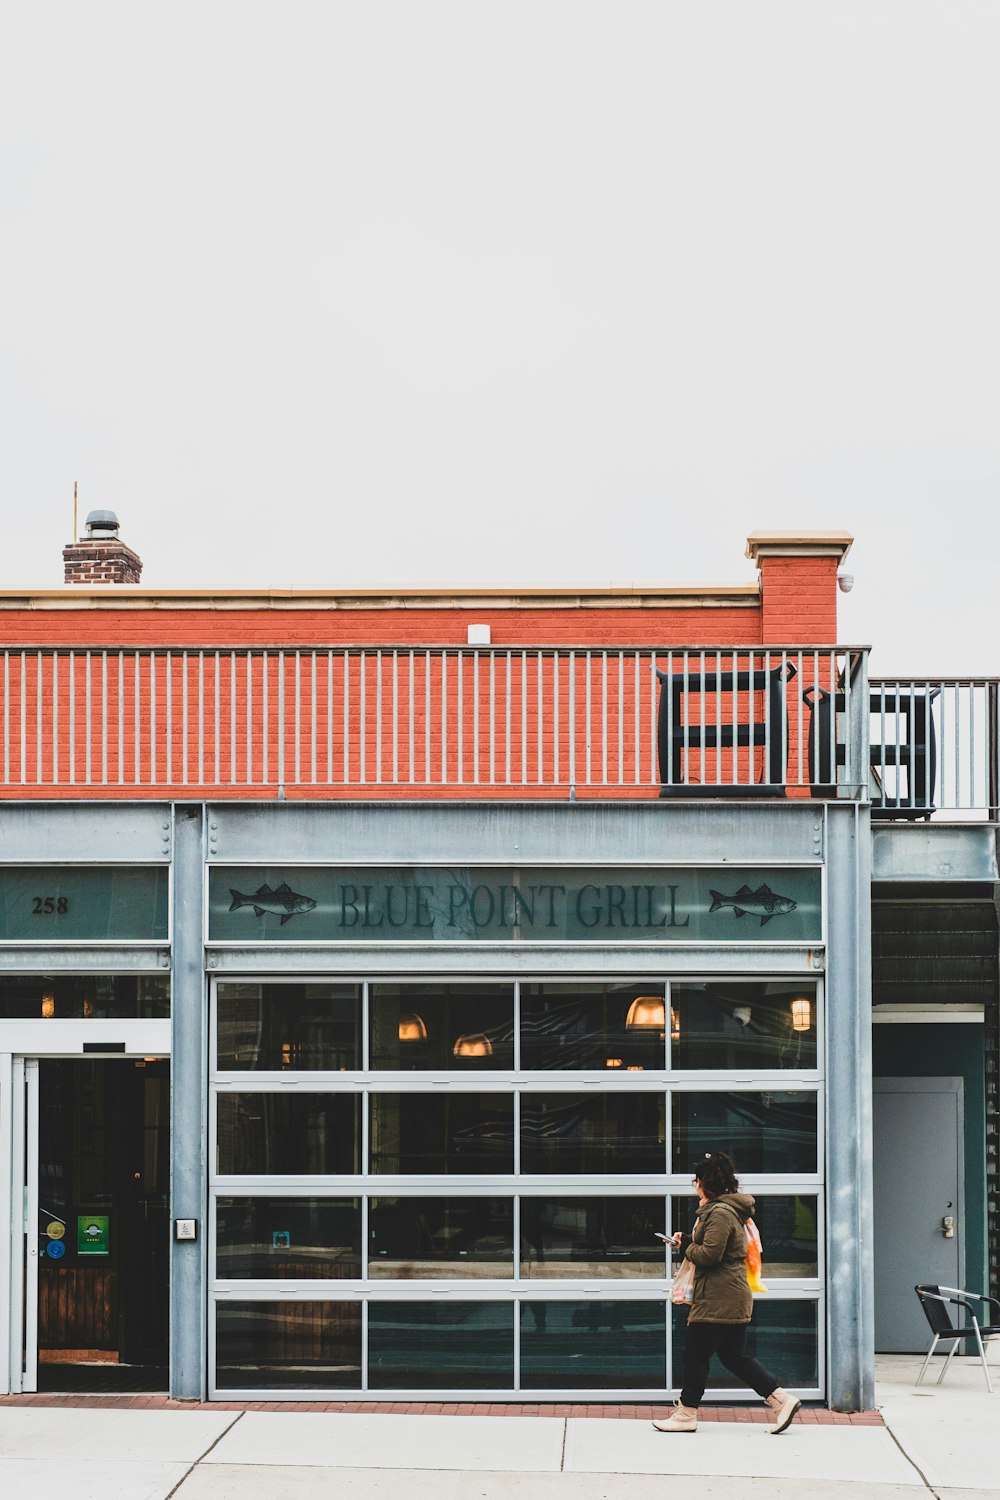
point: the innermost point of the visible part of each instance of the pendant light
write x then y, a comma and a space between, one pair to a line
412, 1028
646, 1013
473, 1045
802, 1018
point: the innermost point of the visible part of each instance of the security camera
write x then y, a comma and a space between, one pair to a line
845, 582
741, 1015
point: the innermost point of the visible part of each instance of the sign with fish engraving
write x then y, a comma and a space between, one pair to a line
322, 903
79, 903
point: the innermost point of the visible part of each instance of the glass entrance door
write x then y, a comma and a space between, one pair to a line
94, 1290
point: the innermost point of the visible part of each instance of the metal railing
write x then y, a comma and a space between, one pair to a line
935, 747
716, 721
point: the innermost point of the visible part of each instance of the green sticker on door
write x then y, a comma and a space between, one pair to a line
93, 1234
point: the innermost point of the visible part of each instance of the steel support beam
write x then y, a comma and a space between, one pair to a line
850, 1231
188, 1093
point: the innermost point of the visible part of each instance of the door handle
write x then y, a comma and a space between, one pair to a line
948, 1227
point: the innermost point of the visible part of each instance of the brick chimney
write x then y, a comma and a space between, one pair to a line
99, 556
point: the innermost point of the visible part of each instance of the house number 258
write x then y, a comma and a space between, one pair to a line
47, 906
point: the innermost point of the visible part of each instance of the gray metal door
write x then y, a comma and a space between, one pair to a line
918, 1188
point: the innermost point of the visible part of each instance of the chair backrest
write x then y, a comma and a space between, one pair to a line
935, 1309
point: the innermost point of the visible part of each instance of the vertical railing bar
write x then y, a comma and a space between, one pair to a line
444, 718
734, 709
783, 721
152, 718
944, 744
718, 718
460, 713
313, 716
621, 718
475, 716
395, 716
169, 708
6, 717
201, 718
896, 698
972, 744
571, 715
555, 721
249, 719
652, 721
911, 750
24, 705
281, 687
88, 688
636, 741
524, 718
832, 675
702, 719
347, 719
184, 719
55, 717
297, 769
817, 737
137, 716
363, 714
508, 714
686, 719
329, 716
798, 679
493, 716
848, 724
38, 718
538, 715
958, 753
121, 717
928, 732
72, 719
428, 700
265, 711
232, 720
882, 744
412, 723
604, 717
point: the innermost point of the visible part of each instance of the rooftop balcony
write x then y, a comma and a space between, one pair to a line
488, 722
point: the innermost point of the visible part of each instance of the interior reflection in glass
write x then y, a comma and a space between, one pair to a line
568, 1237
605, 1026
731, 1025
421, 1238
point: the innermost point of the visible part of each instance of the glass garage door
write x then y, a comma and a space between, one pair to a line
454, 1188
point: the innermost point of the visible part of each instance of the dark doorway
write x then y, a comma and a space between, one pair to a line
103, 1180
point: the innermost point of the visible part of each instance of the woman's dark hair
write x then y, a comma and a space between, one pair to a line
716, 1173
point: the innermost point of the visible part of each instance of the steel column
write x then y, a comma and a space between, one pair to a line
850, 1235
188, 1093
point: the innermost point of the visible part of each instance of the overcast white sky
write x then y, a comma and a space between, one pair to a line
552, 292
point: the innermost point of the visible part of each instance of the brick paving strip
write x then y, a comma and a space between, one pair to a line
817, 1416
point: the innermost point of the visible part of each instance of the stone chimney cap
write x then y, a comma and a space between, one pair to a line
101, 521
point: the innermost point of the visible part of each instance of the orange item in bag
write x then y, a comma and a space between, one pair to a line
754, 1259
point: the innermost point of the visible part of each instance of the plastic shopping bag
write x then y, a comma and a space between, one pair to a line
754, 1257
682, 1289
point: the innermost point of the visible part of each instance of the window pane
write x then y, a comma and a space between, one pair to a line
592, 1026
593, 1344
442, 1134
288, 1238
621, 1132
769, 1132
285, 1134
296, 1346
787, 1225
116, 997
269, 1027
467, 1028
563, 1237
783, 1336
743, 1026
417, 1238
420, 1345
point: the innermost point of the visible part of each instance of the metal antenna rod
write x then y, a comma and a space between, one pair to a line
73, 537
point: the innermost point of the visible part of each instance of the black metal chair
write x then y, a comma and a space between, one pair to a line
936, 1301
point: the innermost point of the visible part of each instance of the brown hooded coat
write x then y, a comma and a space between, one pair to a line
718, 1250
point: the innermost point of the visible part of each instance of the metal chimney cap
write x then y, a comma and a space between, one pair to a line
100, 521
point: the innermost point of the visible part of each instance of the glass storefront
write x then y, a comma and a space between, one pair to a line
383, 1220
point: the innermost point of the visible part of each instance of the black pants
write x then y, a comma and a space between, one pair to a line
729, 1342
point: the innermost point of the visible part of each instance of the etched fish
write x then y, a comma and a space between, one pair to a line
761, 903
282, 902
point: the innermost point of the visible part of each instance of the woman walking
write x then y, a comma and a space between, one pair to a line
722, 1305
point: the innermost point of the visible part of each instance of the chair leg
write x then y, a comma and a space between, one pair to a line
982, 1356
927, 1359
951, 1355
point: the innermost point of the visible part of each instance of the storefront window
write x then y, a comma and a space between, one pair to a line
420, 1345
563, 1238
282, 1027
773, 1131
113, 997
278, 1134
288, 1238
594, 1133
788, 1229
566, 1026
722, 1026
461, 1028
431, 1133
293, 1346
592, 1344
425, 1238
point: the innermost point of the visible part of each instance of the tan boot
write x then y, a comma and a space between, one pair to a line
784, 1407
684, 1419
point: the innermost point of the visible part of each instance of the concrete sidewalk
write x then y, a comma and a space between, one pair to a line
940, 1440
